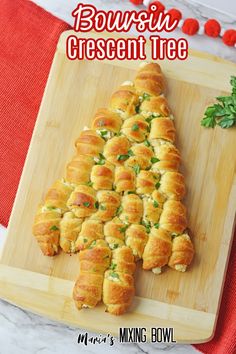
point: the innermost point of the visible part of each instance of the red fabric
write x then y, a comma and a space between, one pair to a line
224, 341
28, 38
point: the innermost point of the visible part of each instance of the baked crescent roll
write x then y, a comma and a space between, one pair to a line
116, 150
141, 156
93, 263
135, 128
182, 253
124, 101
102, 176
168, 156
172, 185
89, 143
146, 182
70, 227
107, 122
162, 128
150, 80
131, 209
157, 105
108, 203
124, 179
82, 201
91, 231
114, 232
152, 208
173, 217
157, 251
118, 286
46, 229
78, 170
58, 195
136, 238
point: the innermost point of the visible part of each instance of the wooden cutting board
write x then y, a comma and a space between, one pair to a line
188, 302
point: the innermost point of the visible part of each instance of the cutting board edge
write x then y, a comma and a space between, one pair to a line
35, 292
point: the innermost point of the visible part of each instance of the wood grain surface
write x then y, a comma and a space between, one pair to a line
189, 301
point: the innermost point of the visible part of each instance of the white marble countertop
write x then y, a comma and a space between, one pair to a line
22, 332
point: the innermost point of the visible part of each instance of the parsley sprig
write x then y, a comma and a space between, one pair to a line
224, 112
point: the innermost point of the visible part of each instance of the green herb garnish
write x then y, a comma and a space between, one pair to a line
119, 210
157, 185
124, 228
114, 275
96, 205
155, 204
101, 160
113, 266
115, 246
154, 160
90, 184
86, 204
135, 127
147, 225
137, 109
102, 207
54, 228
157, 225
146, 143
103, 133
122, 157
136, 169
146, 97
85, 240
51, 207
150, 118
92, 244
130, 153
224, 112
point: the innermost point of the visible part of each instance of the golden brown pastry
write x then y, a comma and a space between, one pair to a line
124, 101
107, 122
182, 252
118, 286
78, 169
70, 227
89, 143
124, 179
157, 251
168, 157
108, 204
102, 176
58, 195
146, 182
152, 207
140, 156
91, 231
131, 209
136, 238
150, 80
116, 150
172, 185
82, 201
114, 232
93, 263
46, 229
162, 128
157, 105
173, 217
135, 128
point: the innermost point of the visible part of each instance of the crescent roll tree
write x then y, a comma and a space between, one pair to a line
120, 199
